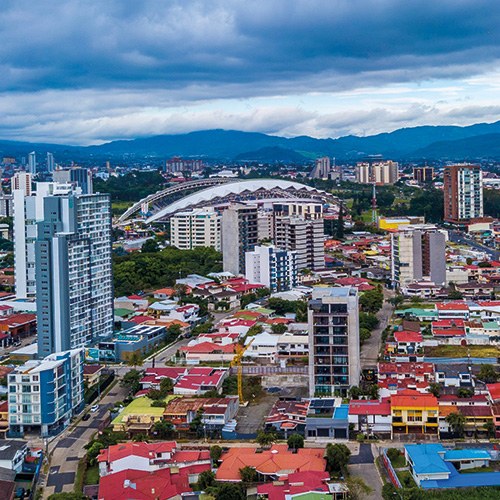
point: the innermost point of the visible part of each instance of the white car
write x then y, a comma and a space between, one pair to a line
94, 408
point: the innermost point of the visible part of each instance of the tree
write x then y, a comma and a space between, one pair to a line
456, 421
150, 246
489, 427
279, 328
255, 330
230, 491
295, 441
248, 475
196, 424
373, 391
173, 332
131, 380
163, 429
393, 454
141, 438
215, 453
135, 360
463, 392
93, 452
358, 489
435, 389
354, 392
397, 300
265, 438
371, 301
337, 457
455, 295
488, 374
205, 480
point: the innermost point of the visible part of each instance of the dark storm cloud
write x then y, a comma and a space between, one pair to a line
240, 49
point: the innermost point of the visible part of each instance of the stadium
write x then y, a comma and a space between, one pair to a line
160, 206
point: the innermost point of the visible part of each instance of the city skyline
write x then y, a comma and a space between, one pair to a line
99, 72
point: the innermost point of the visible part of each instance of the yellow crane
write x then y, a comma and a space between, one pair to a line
240, 351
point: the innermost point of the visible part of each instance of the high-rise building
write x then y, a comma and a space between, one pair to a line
417, 252
305, 236
463, 193
28, 211
32, 163
74, 285
322, 168
333, 322
200, 227
272, 267
239, 235
21, 181
377, 172
45, 394
178, 164
303, 210
77, 176
50, 162
423, 174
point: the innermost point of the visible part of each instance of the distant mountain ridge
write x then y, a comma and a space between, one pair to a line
426, 142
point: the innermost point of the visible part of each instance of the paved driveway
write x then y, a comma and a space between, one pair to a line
365, 455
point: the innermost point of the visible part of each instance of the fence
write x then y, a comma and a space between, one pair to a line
272, 370
390, 470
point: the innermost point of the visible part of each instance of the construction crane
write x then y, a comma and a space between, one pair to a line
240, 351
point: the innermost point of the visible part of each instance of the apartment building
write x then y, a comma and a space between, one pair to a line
74, 283
333, 323
418, 251
239, 235
272, 267
463, 193
200, 227
377, 172
45, 394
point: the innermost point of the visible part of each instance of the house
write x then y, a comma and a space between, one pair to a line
408, 342
454, 375
215, 412
414, 413
424, 290
452, 310
477, 418
150, 457
392, 377
327, 418
12, 454
300, 485
91, 374
288, 416
474, 290
494, 400
372, 417
434, 466
237, 325
274, 464
164, 484
292, 346
139, 416
263, 346
448, 328
196, 352
164, 293
418, 313
18, 326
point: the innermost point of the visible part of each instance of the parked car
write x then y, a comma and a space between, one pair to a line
94, 408
86, 416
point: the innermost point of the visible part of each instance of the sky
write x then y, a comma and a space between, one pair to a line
91, 71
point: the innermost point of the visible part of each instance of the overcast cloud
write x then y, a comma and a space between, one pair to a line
93, 70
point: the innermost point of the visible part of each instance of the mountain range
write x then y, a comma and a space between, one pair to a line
479, 141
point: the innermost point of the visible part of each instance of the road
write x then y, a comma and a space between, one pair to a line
370, 349
68, 448
458, 237
362, 465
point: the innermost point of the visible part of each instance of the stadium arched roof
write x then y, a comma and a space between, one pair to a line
244, 190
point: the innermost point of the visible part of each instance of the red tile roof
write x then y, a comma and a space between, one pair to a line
448, 323
449, 332
141, 485
375, 407
407, 336
494, 390
406, 368
297, 483
208, 348
452, 306
414, 399
139, 449
278, 461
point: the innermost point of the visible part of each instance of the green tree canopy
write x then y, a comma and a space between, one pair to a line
295, 441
